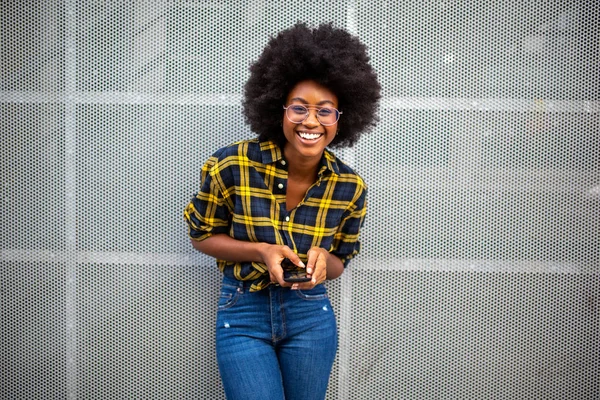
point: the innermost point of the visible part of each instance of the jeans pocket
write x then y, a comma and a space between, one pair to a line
317, 293
228, 297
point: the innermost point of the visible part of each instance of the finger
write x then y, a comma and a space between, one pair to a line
306, 285
313, 256
316, 279
288, 253
320, 269
276, 275
297, 261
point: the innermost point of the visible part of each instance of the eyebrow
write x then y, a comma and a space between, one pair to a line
300, 99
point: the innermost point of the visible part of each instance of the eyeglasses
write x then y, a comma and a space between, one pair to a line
297, 113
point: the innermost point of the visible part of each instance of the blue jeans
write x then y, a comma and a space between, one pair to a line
276, 343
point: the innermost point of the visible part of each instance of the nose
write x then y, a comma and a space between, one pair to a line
311, 119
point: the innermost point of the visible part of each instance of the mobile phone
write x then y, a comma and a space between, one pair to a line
292, 273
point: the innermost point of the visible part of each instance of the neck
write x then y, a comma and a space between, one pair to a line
301, 168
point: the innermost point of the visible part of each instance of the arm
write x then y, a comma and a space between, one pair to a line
224, 247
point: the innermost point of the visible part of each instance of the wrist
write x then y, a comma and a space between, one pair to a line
262, 250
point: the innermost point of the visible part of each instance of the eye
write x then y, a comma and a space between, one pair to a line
326, 112
297, 109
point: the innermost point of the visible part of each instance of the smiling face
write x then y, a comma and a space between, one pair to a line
308, 139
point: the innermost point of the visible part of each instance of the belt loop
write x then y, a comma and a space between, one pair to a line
240, 286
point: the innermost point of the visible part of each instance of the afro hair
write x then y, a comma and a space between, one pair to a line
330, 56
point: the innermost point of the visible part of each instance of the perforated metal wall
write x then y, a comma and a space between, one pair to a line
480, 271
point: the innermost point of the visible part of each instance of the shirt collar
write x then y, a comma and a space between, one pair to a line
329, 161
271, 152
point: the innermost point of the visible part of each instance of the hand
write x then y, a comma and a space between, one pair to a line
273, 255
316, 268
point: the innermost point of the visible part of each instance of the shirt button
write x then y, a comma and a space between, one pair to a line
280, 186
287, 218
283, 162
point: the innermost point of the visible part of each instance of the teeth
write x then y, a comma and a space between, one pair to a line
309, 136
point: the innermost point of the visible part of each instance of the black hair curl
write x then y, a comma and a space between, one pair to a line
330, 56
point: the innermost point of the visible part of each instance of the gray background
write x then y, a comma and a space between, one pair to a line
480, 270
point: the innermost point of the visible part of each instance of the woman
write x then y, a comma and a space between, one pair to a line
281, 197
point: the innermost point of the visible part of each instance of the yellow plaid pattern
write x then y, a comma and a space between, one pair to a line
242, 193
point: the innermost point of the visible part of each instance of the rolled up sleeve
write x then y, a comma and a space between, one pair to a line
207, 213
346, 244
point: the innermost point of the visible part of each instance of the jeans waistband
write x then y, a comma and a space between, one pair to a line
245, 285
236, 282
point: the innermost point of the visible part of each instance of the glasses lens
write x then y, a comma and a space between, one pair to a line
297, 113
327, 116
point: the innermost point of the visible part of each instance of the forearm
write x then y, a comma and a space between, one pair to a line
335, 267
224, 247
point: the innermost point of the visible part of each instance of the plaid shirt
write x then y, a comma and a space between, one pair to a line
242, 194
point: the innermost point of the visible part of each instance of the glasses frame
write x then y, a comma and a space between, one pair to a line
309, 107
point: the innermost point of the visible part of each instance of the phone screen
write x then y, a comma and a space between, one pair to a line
292, 273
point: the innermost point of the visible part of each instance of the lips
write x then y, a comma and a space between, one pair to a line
309, 135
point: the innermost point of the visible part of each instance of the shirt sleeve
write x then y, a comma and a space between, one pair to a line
208, 212
346, 242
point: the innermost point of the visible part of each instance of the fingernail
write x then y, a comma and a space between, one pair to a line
295, 286
302, 264
309, 270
